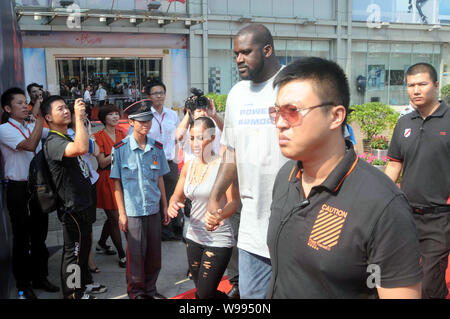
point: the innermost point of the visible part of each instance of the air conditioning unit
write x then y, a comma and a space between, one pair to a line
65, 3
154, 5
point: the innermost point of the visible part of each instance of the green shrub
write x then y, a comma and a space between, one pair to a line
220, 101
373, 118
445, 93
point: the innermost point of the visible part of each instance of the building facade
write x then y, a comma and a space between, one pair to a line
189, 43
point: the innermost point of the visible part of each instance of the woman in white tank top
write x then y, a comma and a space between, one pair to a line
208, 251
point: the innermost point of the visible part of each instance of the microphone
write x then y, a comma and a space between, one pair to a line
303, 204
294, 210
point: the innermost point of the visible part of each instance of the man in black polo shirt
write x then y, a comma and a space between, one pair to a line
420, 147
339, 228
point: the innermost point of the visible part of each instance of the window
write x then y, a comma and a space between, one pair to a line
378, 69
123, 78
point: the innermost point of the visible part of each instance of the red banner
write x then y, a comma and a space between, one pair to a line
182, 1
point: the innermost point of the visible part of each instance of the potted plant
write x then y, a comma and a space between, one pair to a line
379, 146
379, 163
373, 118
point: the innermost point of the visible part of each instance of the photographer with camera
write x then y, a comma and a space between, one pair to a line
198, 105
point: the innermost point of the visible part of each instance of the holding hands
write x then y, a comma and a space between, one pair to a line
173, 209
213, 220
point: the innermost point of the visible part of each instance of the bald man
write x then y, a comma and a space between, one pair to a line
252, 155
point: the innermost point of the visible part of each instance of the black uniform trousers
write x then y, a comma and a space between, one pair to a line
434, 238
143, 255
29, 226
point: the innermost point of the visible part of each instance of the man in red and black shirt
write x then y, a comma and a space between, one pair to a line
420, 147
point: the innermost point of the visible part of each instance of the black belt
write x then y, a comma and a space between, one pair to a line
11, 182
431, 210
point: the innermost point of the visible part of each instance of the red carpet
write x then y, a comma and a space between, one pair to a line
225, 287
190, 294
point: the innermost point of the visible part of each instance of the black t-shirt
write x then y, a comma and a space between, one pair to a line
328, 245
424, 148
71, 175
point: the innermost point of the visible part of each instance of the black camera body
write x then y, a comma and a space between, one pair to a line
197, 100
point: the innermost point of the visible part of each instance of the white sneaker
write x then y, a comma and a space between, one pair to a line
123, 262
87, 296
95, 288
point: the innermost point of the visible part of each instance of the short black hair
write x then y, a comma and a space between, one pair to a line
29, 86
422, 67
148, 88
47, 104
261, 34
105, 110
328, 79
7, 98
8, 95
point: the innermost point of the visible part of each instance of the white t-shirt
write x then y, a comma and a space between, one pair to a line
248, 129
17, 162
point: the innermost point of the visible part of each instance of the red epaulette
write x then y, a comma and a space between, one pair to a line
158, 145
116, 146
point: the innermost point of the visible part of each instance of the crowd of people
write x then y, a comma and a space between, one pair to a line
274, 194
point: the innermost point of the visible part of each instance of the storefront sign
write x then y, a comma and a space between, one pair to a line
34, 39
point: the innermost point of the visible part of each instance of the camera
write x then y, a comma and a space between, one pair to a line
197, 100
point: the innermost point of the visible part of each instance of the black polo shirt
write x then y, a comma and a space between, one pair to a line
322, 247
424, 148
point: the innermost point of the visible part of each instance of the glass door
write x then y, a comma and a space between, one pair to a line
149, 70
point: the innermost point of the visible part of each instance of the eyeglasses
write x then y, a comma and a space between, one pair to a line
160, 93
291, 113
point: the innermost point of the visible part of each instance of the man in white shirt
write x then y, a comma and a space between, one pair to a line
252, 156
88, 101
164, 125
19, 142
100, 94
87, 95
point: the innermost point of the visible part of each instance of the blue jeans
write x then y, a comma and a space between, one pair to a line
254, 275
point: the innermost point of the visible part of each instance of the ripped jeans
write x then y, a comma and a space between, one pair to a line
207, 266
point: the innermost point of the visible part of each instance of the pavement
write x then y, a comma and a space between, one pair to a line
172, 279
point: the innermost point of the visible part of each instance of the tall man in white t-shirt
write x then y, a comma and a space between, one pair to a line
252, 156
